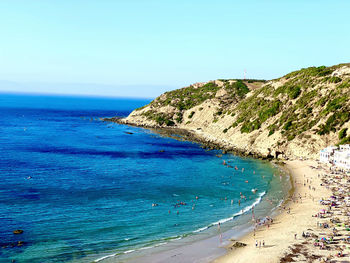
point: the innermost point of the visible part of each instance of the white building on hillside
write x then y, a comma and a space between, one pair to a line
326, 155
342, 159
338, 157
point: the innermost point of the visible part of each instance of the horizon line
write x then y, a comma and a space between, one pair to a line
33, 93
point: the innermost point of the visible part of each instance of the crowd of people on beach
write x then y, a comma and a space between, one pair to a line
334, 217
331, 235
330, 238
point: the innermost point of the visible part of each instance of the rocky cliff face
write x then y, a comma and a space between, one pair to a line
293, 116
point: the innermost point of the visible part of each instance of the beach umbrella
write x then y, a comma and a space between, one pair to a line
323, 239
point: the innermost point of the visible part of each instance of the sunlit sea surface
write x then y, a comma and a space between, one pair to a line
81, 188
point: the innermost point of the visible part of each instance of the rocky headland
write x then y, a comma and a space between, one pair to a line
290, 117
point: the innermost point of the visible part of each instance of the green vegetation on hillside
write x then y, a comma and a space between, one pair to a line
300, 103
237, 88
254, 111
308, 100
342, 136
311, 72
159, 118
187, 98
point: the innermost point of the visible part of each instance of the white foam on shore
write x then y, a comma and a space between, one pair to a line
221, 221
102, 258
132, 250
200, 229
129, 251
224, 220
278, 205
156, 245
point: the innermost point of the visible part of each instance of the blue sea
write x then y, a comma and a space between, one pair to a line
82, 189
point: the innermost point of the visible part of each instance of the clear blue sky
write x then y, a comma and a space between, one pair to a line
145, 47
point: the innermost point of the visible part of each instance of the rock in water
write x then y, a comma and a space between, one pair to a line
239, 244
18, 231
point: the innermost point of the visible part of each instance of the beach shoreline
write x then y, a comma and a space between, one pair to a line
194, 136
280, 235
210, 244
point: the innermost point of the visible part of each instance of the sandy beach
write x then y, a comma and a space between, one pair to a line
283, 240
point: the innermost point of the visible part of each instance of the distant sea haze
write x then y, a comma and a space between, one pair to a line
84, 89
83, 190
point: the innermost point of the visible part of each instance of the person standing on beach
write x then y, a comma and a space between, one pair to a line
256, 243
220, 234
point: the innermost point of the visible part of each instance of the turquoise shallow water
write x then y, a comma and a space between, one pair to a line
82, 189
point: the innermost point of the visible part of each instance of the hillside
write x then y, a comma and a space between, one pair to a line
293, 116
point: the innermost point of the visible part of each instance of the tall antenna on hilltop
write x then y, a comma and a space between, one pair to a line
245, 74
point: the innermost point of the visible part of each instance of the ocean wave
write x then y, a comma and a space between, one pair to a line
224, 220
172, 238
102, 258
114, 255
129, 251
142, 248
